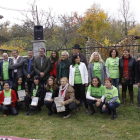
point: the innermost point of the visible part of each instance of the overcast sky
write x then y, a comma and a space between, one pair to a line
64, 6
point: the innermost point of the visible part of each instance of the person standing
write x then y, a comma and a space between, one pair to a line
16, 66
5, 72
76, 50
127, 75
112, 64
28, 70
63, 66
96, 67
42, 66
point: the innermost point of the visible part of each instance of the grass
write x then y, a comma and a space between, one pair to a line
80, 126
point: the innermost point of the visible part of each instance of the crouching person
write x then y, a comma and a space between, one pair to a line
95, 94
8, 106
36, 91
67, 92
111, 98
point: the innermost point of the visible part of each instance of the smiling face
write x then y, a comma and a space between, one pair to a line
113, 53
36, 81
63, 82
6, 86
19, 81
64, 56
95, 82
15, 54
50, 82
30, 54
96, 57
41, 52
53, 54
125, 53
77, 60
76, 51
107, 83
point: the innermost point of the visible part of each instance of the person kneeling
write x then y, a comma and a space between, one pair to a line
111, 98
66, 92
95, 94
8, 100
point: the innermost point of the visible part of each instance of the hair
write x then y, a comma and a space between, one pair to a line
42, 49
30, 50
73, 59
5, 54
96, 77
57, 55
92, 57
65, 53
108, 79
36, 77
125, 49
65, 78
110, 53
15, 51
54, 87
6, 82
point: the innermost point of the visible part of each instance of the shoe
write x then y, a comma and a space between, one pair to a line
4, 115
28, 113
86, 111
91, 113
50, 113
114, 117
65, 117
40, 109
131, 98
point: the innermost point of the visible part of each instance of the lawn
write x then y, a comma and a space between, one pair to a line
80, 126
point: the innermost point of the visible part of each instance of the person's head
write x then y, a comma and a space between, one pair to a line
6, 85
75, 59
54, 54
51, 83
15, 53
76, 49
96, 82
95, 57
126, 52
41, 52
30, 54
64, 55
108, 82
63, 81
19, 80
36, 80
113, 53
5, 56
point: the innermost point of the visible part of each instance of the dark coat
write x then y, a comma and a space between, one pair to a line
25, 69
137, 71
9, 70
82, 58
131, 65
45, 67
17, 66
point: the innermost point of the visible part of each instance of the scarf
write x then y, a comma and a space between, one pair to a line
52, 63
63, 89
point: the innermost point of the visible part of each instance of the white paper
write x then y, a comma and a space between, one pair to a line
21, 94
48, 96
34, 101
7, 101
59, 107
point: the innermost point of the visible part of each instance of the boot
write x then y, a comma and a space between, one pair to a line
124, 98
131, 98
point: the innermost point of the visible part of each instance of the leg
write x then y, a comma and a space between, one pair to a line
124, 88
29, 84
77, 96
72, 106
5, 109
117, 85
130, 88
27, 102
54, 107
33, 108
90, 103
19, 105
49, 105
13, 110
138, 96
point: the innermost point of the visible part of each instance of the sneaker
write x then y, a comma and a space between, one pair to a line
86, 111
28, 113
65, 117
91, 113
114, 117
50, 113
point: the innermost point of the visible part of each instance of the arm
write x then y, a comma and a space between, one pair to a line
113, 100
48, 67
89, 97
103, 98
57, 71
24, 70
89, 73
14, 97
35, 67
71, 99
17, 65
107, 72
85, 73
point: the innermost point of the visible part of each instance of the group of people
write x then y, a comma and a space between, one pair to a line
68, 78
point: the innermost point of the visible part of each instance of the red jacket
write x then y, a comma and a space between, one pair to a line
13, 98
53, 71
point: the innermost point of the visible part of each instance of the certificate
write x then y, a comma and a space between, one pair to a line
35, 101
7, 101
48, 96
21, 94
59, 107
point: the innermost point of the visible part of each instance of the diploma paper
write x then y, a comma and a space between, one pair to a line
48, 96
21, 95
7, 101
59, 107
34, 101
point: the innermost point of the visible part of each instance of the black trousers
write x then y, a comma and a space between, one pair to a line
15, 78
19, 105
48, 104
9, 109
130, 88
32, 108
91, 102
80, 93
29, 84
68, 107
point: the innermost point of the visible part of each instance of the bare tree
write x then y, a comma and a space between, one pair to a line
126, 12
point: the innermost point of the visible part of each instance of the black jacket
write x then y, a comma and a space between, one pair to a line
137, 71
25, 70
55, 93
39, 93
131, 65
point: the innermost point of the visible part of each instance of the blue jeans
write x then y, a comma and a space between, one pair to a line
111, 107
115, 82
138, 96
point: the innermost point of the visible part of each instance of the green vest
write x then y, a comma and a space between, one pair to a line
5, 70
34, 91
97, 69
7, 94
77, 76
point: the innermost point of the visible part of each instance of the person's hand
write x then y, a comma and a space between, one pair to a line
97, 104
44, 99
104, 107
18, 100
26, 93
51, 100
138, 84
0, 92
41, 74
86, 84
99, 100
32, 97
62, 103
28, 76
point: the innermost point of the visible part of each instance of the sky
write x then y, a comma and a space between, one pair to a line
61, 7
